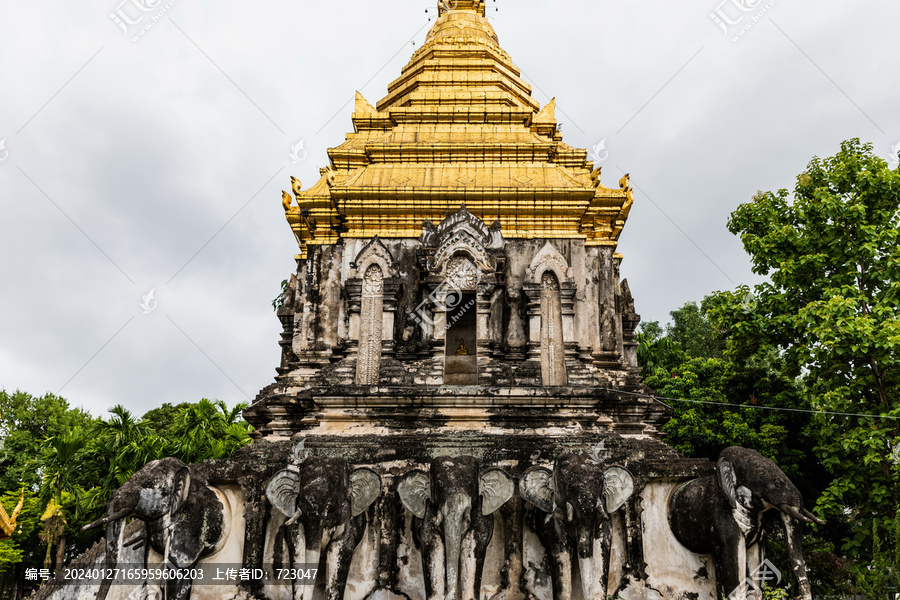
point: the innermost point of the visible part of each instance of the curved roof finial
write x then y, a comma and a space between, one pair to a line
477, 6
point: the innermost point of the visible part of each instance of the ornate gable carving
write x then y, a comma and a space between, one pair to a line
549, 259
462, 233
373, 253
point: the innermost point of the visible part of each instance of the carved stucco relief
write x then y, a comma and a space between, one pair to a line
553, 360
370, 330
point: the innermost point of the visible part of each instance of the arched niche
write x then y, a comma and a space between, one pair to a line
371, 321
550, 288
553, 357
372, 288
459, 299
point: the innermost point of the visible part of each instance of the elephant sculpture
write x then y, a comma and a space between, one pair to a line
721, 515
578, 496
184, 520
324, 502
453, 506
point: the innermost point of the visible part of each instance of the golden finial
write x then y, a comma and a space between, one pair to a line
297, 187
286, 200
473, 5
625, 182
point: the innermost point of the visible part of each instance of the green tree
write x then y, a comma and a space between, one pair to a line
62, 466
23, 548
831, 251
692, 330
25, 421
209, 430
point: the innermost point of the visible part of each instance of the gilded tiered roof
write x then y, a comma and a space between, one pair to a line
458, 127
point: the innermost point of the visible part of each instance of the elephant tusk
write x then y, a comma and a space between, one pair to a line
113, 517
813, 517
293, 519
792, 511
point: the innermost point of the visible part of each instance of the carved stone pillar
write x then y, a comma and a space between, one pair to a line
630, 321
371, 324
607, 356
286, 316
533, 294
372, 291
516, 335
553, 358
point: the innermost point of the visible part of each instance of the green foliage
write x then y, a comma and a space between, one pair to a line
696, 335
278, 302
874, 582
689, 335
832, 306
25, 421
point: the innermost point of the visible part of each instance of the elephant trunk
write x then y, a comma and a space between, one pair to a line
302, 551
794, 538
800, 515
586, 566
125, 512
591, 565
115, 541
456, 516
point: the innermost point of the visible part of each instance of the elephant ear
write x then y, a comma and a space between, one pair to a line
536, 486
496, 488
181, 486
365, 486
618, 486
415, 492
728, 481
282, 491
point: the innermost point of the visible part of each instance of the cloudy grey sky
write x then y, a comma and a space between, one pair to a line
158, 163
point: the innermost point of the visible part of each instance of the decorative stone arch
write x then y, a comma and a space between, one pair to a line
550, 287
460, 242
373, 287
549, 259
374, 252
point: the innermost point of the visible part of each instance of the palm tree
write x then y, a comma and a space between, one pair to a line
60, 464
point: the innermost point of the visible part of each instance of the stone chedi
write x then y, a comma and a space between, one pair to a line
458, 412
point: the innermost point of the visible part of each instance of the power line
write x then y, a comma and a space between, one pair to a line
775, 408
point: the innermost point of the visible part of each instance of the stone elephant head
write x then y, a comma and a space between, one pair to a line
721, 515
324, 501
184, 519
578, 497
453, 505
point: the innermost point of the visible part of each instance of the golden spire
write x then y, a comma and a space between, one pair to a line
458, 126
